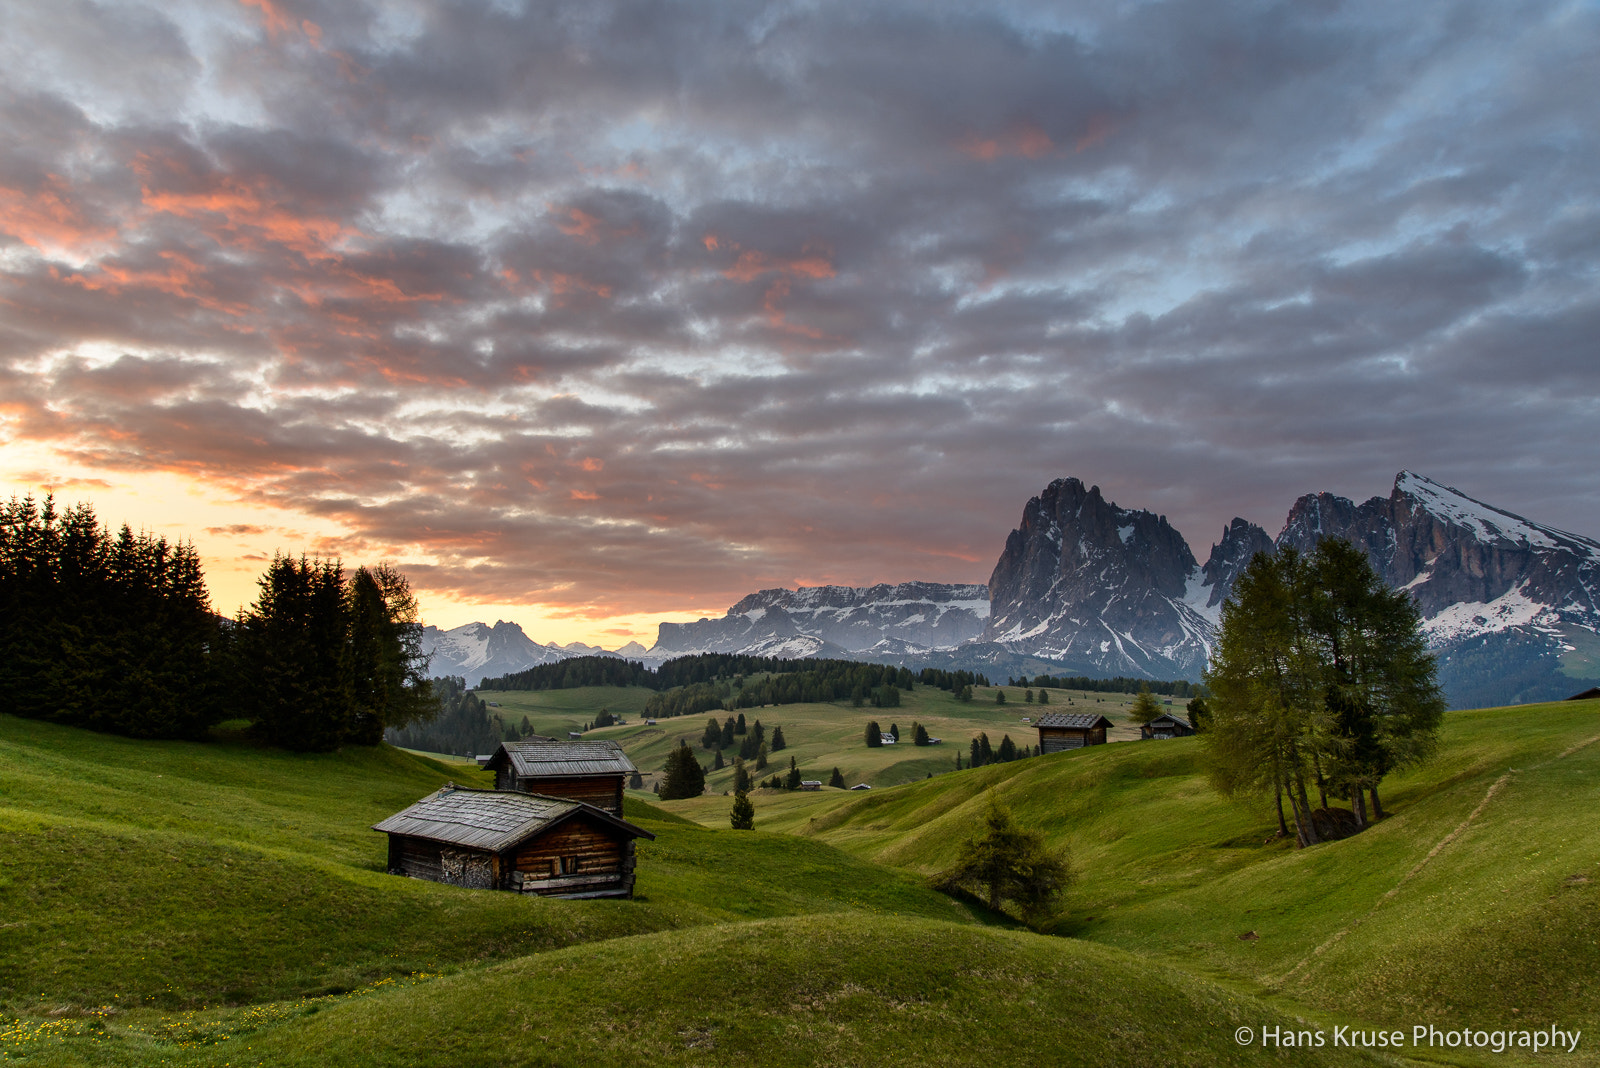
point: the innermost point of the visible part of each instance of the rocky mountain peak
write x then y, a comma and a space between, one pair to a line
1084, 581
1240, 542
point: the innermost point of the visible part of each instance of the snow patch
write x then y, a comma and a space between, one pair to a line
1468, 619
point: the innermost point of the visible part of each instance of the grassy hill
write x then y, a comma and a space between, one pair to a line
216, 903
1477, 901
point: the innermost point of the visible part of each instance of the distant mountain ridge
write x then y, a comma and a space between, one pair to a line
883, 620
1087, 587
476, 651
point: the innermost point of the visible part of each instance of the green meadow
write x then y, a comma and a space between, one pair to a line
221, 903
820, 736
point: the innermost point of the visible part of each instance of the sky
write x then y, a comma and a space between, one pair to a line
590, 315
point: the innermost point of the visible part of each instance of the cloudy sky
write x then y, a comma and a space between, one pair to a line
595, 314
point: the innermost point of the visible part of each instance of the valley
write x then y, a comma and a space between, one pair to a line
201, 903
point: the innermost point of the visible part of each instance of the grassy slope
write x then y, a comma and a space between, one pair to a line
1506, 915
796, 991
176, 875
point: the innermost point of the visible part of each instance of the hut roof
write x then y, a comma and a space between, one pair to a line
1170, 718
563, 758
492, 820
1078, 721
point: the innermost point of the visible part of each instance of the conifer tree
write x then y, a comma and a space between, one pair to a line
743, 814
837, 779
1008, 750
1007, 863
712, 736
1145, 706
919, 735
793, 781
777, 739
999, 697
741, 776
874, 735
761, 757
684, 777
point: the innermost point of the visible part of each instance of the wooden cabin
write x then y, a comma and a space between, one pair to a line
592, 772
1165, 725
505, 840
1070, 730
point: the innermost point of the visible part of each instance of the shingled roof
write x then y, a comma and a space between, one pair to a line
493, 820
1078, 721
563, 758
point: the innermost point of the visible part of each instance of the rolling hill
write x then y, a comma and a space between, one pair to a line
182, 903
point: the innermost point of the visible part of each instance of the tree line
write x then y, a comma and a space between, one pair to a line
116, 633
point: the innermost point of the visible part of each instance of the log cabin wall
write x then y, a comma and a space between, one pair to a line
575, 848
602, 791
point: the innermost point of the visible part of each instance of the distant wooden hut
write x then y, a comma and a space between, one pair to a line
502, 840
1588, 695
1070, 730
591, 772
1165, 725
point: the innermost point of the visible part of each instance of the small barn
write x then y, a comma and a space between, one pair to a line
1070, 730
592, 772
1165, 725
503, 840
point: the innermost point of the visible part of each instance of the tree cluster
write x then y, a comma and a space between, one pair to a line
1320, 680
953, 681
113, 633
117, 634
322, 659
983, 753
461, 726
1119, 684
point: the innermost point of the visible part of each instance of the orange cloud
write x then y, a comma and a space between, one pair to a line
584, 495
752, 265
47, 218
593, 463
272, 17
711, 243
1027, 140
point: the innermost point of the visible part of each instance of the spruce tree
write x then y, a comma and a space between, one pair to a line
777, 739
743, 814
874, 736
1008, 750
836, 779
684, 777
793, 781
761, 757
999, 697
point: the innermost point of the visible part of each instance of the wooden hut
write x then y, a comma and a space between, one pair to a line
592, 772
504, 840
1165, 725
1070, 730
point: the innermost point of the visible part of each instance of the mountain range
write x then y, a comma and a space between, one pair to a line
1086, 587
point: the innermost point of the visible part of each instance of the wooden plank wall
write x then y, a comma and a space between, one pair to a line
601, 792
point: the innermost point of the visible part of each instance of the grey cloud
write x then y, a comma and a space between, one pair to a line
623, 300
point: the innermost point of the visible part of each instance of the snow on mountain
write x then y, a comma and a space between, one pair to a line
476, 651
835, 621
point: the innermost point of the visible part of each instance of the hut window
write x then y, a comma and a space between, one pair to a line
567, 866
